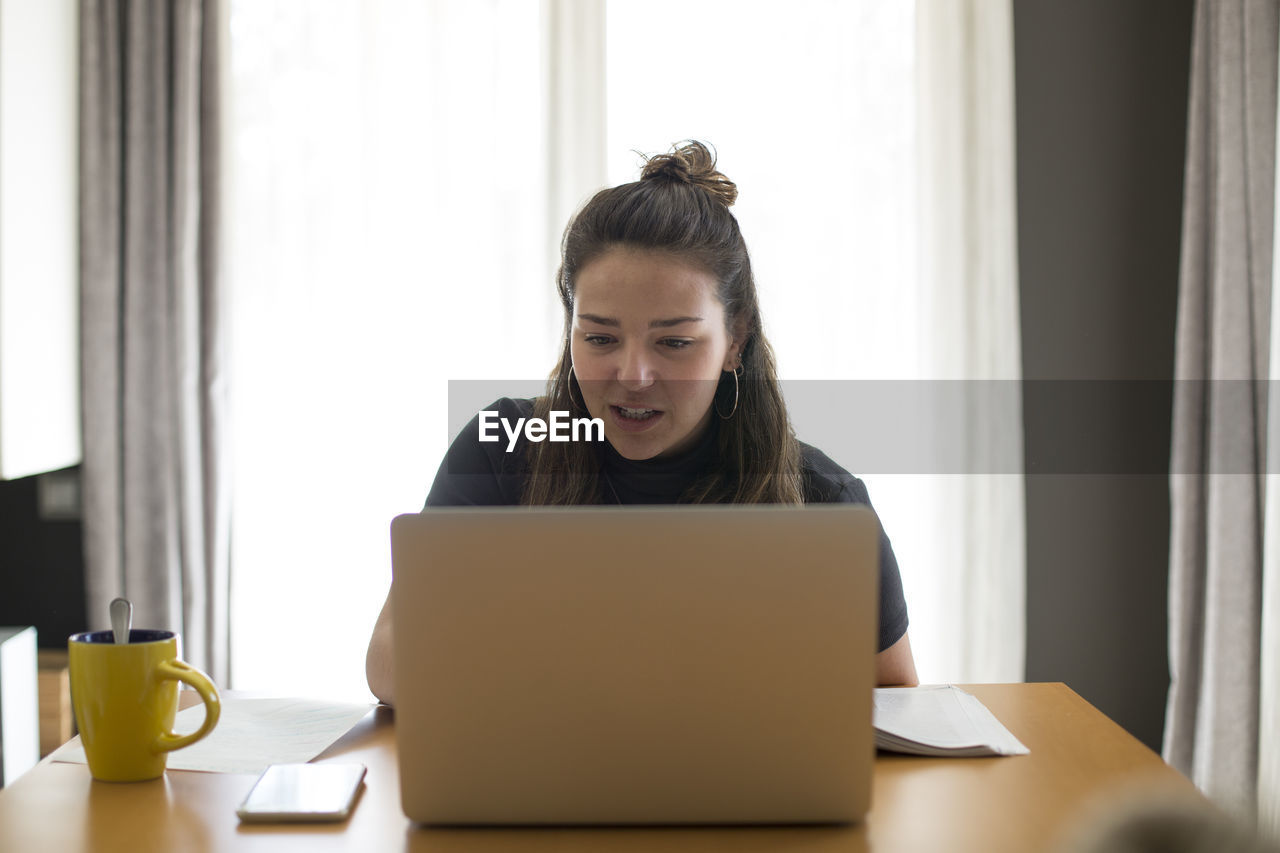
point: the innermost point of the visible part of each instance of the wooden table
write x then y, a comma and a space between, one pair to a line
1078, 759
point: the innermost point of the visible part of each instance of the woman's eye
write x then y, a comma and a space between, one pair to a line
598, 340
676, 343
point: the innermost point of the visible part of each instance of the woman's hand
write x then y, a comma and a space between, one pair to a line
377, 661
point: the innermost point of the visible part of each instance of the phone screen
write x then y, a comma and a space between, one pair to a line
303, 792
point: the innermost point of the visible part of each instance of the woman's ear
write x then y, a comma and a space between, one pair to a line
733, 358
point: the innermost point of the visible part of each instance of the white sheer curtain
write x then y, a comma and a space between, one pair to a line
976, 598
573, 37
400, 171
823, 143
386, 234
820, 140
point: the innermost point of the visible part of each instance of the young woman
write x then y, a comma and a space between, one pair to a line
663, 342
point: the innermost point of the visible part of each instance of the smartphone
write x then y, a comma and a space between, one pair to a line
303, 792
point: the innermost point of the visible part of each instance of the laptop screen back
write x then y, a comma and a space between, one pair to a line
635, 665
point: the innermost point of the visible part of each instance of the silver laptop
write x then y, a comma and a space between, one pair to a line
637, 665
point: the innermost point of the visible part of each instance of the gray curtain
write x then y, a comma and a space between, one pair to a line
1219, 426
155, 492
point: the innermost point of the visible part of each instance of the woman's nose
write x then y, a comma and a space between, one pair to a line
636, 369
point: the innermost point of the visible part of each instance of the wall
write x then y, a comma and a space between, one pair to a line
1101, 125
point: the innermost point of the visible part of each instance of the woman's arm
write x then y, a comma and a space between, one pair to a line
895, 667
473, 473
377, 661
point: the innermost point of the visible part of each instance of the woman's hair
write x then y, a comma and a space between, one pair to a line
679, 206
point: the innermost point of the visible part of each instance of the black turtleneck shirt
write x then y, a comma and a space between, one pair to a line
476, 473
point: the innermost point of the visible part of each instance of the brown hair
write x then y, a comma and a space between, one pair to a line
680, 206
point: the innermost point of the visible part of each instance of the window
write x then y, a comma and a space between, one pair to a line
386, 234
814, 114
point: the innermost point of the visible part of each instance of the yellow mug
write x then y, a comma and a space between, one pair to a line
125, 696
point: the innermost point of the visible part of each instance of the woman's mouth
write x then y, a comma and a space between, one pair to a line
634, 419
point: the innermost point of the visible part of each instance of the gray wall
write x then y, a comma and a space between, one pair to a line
1101, 93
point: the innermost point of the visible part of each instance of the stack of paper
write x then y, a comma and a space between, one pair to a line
252, 734
941, 721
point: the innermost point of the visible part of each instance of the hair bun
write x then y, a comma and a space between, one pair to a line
691, 163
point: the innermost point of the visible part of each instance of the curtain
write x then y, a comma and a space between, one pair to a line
1269, 654
155, 493
969, 297
573, 46
1220, 403
386, 270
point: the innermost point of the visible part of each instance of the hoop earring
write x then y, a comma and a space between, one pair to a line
569, 386
723, 416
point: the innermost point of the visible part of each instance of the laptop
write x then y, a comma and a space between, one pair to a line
639, 665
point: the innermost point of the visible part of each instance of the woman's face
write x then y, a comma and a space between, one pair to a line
648, 345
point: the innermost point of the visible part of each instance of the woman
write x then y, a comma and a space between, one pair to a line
663, 342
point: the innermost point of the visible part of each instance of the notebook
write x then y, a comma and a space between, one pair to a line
639, 665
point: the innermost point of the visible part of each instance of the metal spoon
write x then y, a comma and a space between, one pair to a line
121, 619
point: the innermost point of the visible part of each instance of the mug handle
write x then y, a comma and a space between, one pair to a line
188, 674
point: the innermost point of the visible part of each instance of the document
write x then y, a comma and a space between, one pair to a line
939, 720
252, 734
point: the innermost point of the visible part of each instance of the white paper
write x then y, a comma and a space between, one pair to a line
252, 734
939, 720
